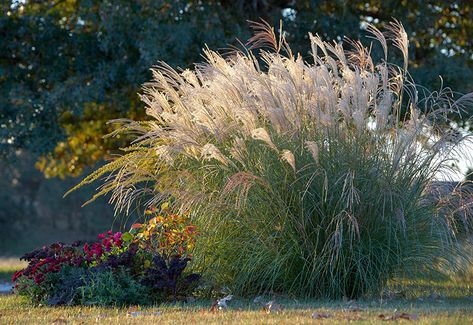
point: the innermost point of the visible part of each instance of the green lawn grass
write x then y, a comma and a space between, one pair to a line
441, 302
439, 311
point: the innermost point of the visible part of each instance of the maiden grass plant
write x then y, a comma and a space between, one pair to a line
307, 178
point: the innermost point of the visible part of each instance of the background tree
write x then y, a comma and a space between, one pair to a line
69, 66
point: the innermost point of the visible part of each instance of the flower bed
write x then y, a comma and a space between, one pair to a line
143, 266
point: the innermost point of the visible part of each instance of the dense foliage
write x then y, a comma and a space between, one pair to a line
119, 269
305, 178
69, 66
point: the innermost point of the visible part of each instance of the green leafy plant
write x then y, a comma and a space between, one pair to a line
109, 288
305, 178
63, 288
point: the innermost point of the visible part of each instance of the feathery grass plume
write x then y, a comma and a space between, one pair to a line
303, 178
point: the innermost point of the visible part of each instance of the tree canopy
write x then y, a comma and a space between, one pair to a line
69, 66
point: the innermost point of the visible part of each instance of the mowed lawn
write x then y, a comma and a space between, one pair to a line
448, 302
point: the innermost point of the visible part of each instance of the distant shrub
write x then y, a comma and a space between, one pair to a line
119, 269
304, 178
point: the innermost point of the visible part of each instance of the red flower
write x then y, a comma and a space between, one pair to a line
16, 275
117, 236
39, 278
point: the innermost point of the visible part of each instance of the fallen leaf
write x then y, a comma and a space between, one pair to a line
143, 313
320, 316
272, 307
408, 316
221, 304
59, 321
397, 316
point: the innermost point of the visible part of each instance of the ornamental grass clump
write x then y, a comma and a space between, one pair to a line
303, 178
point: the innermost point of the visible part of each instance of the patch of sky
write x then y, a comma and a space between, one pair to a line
289, 14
